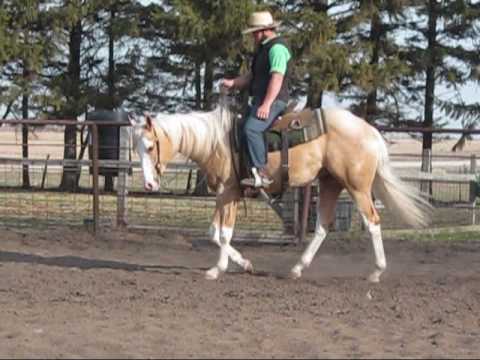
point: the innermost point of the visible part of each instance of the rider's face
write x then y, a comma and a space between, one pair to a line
257, 36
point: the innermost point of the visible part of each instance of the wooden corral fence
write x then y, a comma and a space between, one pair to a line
176, 208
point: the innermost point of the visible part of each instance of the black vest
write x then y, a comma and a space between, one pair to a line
261, 73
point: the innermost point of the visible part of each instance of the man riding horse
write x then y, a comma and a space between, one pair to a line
268, 85
351, 156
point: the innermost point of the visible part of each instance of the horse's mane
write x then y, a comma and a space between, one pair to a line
199, 134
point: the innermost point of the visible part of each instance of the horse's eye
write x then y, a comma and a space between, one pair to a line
150, 149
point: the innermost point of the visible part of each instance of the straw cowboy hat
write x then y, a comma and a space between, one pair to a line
260, 20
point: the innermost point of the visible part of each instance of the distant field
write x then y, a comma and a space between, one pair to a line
61, 207
45, 141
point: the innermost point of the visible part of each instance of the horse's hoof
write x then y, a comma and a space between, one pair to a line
248, 267
296, 272
374, 278
212, 274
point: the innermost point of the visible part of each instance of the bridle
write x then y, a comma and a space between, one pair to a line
157, 144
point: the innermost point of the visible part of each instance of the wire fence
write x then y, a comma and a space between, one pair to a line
119, 195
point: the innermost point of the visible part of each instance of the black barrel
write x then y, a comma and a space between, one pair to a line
108, 138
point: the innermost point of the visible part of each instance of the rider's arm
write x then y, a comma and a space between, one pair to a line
274, 86
278, 57
242, 81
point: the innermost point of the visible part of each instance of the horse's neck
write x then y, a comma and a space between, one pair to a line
195, 139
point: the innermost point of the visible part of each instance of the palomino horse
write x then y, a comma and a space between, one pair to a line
352, 155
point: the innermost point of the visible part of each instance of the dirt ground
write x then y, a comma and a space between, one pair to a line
64, 294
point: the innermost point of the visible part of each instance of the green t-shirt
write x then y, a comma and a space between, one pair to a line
278, 56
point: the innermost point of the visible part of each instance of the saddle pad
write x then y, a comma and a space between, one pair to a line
274, 139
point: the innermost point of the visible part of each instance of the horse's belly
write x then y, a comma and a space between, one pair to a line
304, 163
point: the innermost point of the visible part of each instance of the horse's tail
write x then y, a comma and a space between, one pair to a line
403, 199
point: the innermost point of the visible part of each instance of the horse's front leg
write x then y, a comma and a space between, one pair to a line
221, 232
329, 190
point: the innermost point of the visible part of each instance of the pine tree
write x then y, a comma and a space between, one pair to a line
26, 46
346, 47
463, 64
199, 42
310, 33
437, 54
380, 22
115, 77
68, 73
6, 37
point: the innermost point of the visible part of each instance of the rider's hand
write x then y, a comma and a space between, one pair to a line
263, 111
228, 83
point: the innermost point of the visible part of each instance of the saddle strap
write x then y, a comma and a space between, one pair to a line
317, 127
284, 160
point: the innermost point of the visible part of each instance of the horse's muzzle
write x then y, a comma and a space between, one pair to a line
151, 186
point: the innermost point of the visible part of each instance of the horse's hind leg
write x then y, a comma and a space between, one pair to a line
372, 223
329, 191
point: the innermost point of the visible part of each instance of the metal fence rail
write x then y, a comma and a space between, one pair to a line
452, 187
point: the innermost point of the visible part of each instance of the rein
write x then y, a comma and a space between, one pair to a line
236, 169
157, 143
225, 107
232, 154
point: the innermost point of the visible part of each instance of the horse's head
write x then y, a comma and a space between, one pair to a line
154, 149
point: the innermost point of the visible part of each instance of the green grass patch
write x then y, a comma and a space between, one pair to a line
443, 234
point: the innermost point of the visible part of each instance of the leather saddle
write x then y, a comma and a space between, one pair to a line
291, 128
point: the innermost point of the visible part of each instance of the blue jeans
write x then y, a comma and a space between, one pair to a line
254, 129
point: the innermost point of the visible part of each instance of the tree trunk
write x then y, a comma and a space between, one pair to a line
375, 36
70, 173
25, 105
111, 102
314, 91
208, 85
430, 73
198, 86
314, 95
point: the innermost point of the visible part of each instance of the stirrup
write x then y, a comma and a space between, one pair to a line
257, 181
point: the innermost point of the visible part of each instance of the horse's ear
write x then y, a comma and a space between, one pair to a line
148, 122
132, 119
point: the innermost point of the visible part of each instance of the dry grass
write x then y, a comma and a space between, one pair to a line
440, 147
36, 208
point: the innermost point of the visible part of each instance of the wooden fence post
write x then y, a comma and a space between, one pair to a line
426, 185
473, 187
95, 173
122, 179
473, 164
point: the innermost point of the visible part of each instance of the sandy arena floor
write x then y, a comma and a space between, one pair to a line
64, 294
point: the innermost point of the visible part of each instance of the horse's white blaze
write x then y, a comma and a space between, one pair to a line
147, 165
